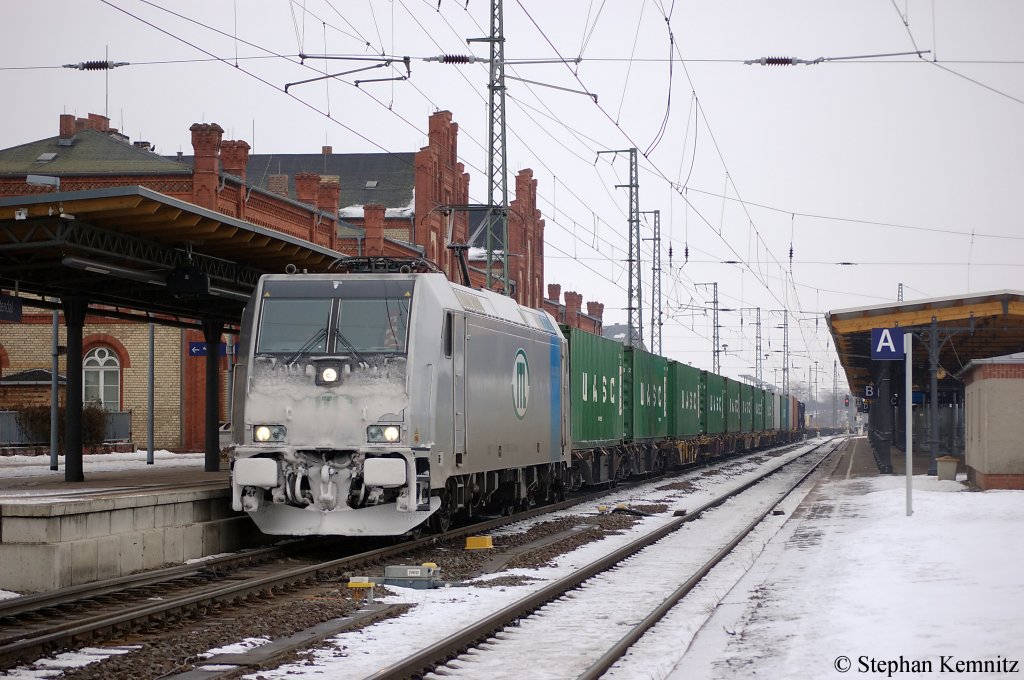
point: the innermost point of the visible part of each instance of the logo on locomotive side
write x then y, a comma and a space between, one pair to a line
520, 384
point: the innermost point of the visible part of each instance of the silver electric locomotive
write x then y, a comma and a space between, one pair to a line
369, 403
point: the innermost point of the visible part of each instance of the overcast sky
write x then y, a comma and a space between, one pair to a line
912, 168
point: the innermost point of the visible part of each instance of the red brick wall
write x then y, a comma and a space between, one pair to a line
995, 481
439, 180
996, 372
17, 397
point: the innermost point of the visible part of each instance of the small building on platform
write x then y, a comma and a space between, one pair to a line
994, 429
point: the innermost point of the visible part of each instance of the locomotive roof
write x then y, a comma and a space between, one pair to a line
474, 301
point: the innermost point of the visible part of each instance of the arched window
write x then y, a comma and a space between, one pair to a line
101, 378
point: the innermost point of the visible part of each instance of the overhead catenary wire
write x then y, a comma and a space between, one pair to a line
729, 198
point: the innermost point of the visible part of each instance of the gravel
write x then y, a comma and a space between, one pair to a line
177, 645
174, 648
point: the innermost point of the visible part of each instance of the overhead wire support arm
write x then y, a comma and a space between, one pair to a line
793, 61
335, 75
473, 59
554, 87
382, 62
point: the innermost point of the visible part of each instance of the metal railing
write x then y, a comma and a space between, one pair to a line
10, 431
118, 429
119, 426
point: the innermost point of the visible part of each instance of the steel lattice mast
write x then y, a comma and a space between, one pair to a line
635, 335
656, 283
716, 362
758, 364
497, 170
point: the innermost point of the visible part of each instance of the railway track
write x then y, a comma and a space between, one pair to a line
34, 625
467, 650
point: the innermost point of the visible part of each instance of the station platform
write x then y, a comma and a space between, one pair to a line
859, 461
125, 517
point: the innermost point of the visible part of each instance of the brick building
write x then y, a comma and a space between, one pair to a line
994, 445
360, 204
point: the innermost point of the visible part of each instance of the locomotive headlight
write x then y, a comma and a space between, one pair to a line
383, 433
328, 372
269, 433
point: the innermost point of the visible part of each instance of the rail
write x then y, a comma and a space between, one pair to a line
433, 656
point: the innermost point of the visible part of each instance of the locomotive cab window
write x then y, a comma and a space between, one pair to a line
306, 318
373, 325
288, 325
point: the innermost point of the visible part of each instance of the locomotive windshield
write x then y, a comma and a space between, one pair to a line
334, 317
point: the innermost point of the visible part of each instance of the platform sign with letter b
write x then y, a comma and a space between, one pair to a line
869, 391
887, 344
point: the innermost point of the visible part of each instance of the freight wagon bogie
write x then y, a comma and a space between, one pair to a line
464, 497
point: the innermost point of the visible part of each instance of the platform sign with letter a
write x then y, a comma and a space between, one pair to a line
887, 344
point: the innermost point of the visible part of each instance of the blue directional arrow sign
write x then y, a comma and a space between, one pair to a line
199, 349
887, 344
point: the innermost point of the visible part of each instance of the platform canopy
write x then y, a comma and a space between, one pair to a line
133, 249
976, 326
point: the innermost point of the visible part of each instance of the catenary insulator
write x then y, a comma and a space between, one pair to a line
455, 59
96, 65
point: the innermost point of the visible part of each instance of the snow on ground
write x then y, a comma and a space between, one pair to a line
845, 579
39, 466
440, 613
853, 584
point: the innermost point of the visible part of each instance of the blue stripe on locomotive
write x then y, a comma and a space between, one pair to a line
556, 399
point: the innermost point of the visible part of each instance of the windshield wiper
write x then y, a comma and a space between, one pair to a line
306, 346
350, 347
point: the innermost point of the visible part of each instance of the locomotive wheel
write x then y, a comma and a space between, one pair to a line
441, 521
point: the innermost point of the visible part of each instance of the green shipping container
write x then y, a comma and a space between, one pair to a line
686, 397
746, 408
645, 395
759, 409
785, 423
595, 377
714, 403
732, 406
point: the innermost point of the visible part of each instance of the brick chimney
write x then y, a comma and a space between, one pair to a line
234, 157
99, 123
555, 292
67, 129
278, 184
329, 196
206, 138
327, 150
307, 186
373, 223
573, 306
596, 310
